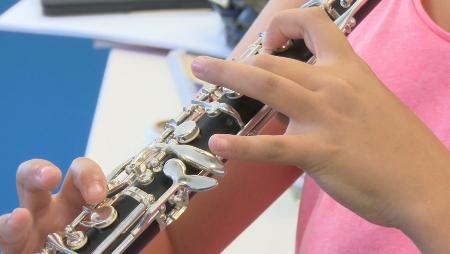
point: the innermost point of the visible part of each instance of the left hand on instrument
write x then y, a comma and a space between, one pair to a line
347, 130
25, 230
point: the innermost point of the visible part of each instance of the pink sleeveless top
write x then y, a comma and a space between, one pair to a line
411, 55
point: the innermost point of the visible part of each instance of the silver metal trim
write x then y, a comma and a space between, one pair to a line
345, 19
258, 121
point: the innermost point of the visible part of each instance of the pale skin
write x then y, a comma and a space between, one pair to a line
346, 130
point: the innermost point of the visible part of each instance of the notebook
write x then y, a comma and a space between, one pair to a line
72, 7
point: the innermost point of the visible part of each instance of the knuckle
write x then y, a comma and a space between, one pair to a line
341, 98
340, 82
330, 146
269, 85
261, 61
314, 13
278, 18
277, 149
275, 20
338, 87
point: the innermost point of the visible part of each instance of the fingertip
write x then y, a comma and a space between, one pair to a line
49, 177
219, 144
273, 38
37, 174
268, 45
95, 193
85, 183
198, 66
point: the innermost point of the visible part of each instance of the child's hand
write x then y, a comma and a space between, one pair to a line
25, 230
355, 138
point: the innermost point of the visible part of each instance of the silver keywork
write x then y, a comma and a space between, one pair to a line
176, 170
195, 157
186, 132
101, 217
215, 108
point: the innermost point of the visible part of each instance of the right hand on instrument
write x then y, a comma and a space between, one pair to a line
25, 229
358, 141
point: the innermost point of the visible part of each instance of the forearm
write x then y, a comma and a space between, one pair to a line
216, 217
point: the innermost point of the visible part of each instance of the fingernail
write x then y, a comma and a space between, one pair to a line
95, 190
198, 66
218, 143
43, 173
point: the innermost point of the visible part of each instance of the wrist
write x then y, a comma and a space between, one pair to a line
430, 230
427, 221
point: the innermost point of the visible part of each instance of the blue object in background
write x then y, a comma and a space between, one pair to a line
48, 93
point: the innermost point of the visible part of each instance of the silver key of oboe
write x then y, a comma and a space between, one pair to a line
231, 94
76, 240
198, 158
176, 170
101, 217
186, 132
214, 109
55, 242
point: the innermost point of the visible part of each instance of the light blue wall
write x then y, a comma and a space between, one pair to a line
48, 92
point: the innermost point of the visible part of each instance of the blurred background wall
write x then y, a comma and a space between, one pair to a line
48, 93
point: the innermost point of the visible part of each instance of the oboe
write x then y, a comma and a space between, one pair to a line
153, 188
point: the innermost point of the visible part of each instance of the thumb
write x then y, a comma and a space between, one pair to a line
14, 228
281, 149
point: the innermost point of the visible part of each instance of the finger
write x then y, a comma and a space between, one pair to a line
310, 77
265, 148
313, 25
14, 229
278, 92
84, 183
35, 181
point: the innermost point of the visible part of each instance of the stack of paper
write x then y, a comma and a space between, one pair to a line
198, 31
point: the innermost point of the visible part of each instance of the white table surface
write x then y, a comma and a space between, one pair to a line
137, 92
